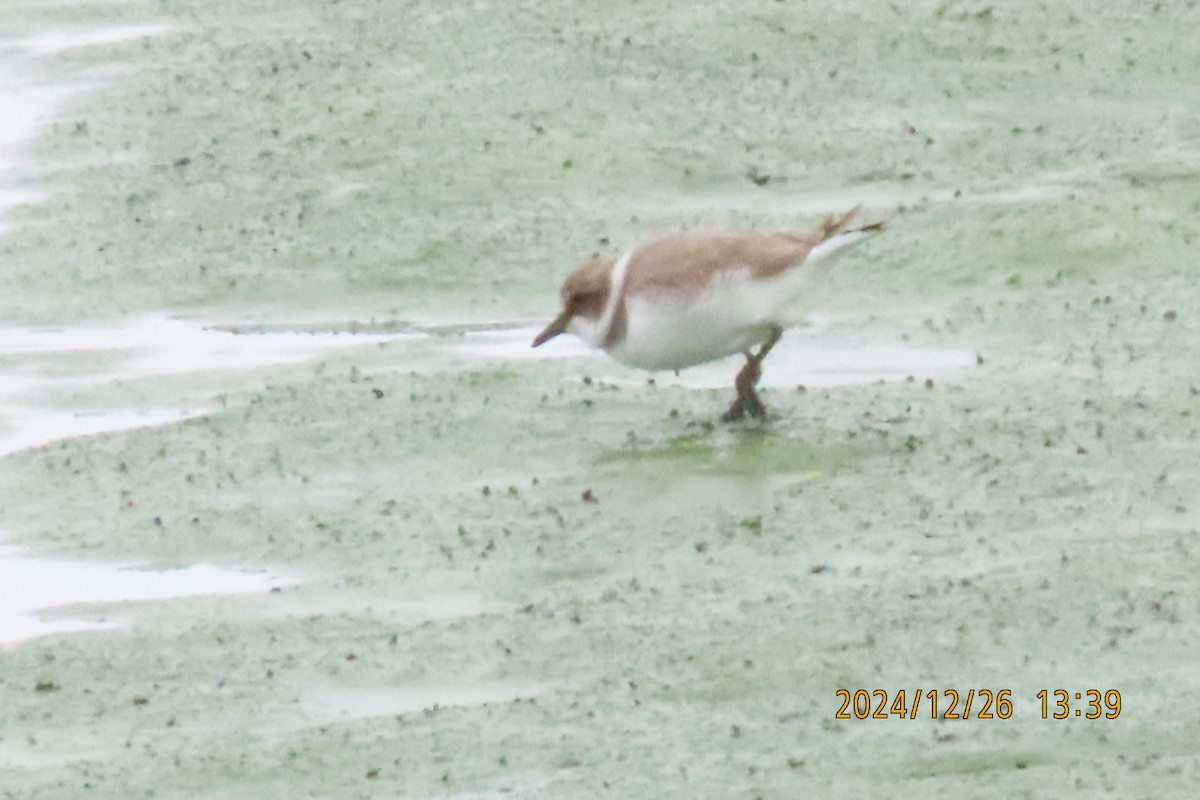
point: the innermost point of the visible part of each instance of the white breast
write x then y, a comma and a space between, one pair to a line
671, 331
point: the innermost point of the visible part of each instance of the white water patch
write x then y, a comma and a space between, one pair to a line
157, 344
10, 200
36, 363
797, 360
516, 344
29, 428
812, 365
24, 109
55, 42
28, 104
30, 585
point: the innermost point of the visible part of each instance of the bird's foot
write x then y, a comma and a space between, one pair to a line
746, 405
747, 402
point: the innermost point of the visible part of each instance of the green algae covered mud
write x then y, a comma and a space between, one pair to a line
268, 274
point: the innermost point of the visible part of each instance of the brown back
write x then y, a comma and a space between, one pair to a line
677, 262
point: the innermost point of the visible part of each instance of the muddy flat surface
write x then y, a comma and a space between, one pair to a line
265, 279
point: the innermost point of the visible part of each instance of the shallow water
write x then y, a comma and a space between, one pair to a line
37, 363
30, 586
30, 99
800, 359
26, 428
54, 42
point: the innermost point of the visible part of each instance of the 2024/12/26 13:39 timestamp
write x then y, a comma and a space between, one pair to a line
987, 704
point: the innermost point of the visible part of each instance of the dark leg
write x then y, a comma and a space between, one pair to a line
747, 401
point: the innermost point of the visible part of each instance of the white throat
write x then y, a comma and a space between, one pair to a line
596, 332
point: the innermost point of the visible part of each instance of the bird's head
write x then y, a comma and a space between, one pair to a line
584, 295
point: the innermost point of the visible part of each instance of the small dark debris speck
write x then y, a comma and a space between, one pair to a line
378, 393
817, 569
929, 383
588, 496
372, 774
158, 522
486, 490
1170, 316
757, 177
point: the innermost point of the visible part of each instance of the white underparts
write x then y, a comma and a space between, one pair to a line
616, 282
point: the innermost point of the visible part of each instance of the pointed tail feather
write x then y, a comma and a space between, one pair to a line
835, 235
836, 223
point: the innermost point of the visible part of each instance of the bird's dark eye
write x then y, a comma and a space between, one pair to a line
588, 304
